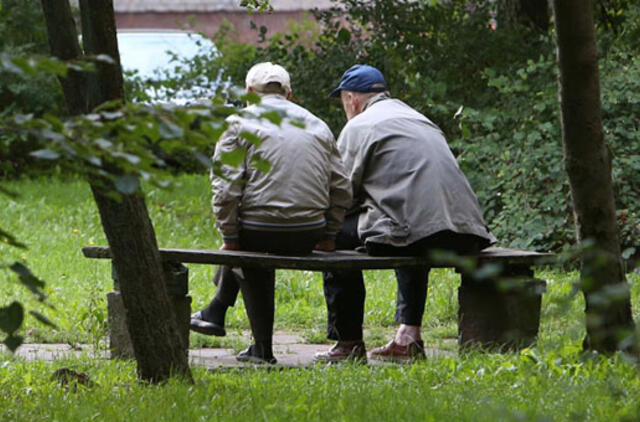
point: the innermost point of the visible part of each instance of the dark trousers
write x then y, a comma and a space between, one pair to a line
257, 284
345, 292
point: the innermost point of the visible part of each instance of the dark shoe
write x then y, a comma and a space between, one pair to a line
343, 351
209, 328
392, 351
253, 355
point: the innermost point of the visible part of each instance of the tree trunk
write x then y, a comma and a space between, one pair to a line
610, 325
536, 12
158, 347
63, 42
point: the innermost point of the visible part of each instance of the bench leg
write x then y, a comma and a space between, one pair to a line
500, 313
119, 339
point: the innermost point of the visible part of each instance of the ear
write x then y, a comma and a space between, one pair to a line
354, 99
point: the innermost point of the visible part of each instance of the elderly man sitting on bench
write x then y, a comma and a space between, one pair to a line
410, 197
300, 202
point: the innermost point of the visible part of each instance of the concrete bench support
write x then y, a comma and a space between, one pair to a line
119, 339
499, 313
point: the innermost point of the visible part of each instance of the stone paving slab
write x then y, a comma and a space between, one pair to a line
289, 349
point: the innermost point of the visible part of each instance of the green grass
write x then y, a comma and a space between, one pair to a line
552, 381
475, 388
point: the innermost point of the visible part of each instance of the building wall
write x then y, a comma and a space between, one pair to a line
210, 22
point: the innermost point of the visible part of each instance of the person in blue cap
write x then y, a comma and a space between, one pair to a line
409, 198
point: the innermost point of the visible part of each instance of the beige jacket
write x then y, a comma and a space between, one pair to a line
406, 182
306, 186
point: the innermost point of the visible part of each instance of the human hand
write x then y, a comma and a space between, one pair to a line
326, 245
230, 246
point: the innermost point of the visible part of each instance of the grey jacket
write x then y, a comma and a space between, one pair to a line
306, 186
406, 182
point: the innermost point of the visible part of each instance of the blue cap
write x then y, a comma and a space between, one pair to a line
361, 78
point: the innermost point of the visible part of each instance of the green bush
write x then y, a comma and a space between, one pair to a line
496, 101
22, 31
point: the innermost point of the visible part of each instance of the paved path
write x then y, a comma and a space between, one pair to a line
289, 349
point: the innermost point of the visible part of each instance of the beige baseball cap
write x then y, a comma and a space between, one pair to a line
264, 73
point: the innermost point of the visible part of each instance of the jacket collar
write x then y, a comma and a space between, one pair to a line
376, 98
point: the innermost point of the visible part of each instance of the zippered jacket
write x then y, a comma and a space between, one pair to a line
306, 186
406, 182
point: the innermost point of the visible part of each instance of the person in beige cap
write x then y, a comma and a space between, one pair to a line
297, 205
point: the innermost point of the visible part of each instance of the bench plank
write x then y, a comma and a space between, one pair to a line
322, 261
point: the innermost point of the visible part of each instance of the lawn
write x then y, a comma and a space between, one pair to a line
55, 218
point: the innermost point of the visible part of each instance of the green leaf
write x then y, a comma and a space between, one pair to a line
273, 116
127, 184
235, 157
628, 253
297, 123
251, 98
45, 154
105, 58
203, 159
52, 66
168, 130
251, 137
11, 317
103, 143
261, 164
21, 119
344, 36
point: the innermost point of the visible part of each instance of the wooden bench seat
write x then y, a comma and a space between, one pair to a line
499, 300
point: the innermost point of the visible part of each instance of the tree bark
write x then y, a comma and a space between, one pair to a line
533, 13
609, 321
158, 347
63, 42
536, 12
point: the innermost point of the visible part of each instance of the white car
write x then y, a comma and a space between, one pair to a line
159, 55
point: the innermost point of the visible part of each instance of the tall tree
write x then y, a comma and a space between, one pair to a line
610, 325
534, 13
158, 347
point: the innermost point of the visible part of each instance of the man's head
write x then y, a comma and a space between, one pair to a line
357, 85
268, 78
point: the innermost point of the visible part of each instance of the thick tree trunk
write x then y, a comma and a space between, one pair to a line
536, 12
158, 347
610, 325
63, 41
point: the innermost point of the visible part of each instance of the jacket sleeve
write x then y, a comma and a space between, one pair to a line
227, 188
350, 145
340, 196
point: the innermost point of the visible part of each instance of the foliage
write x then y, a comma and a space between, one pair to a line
22, 32
495, 101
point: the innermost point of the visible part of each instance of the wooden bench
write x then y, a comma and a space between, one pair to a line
499, 300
